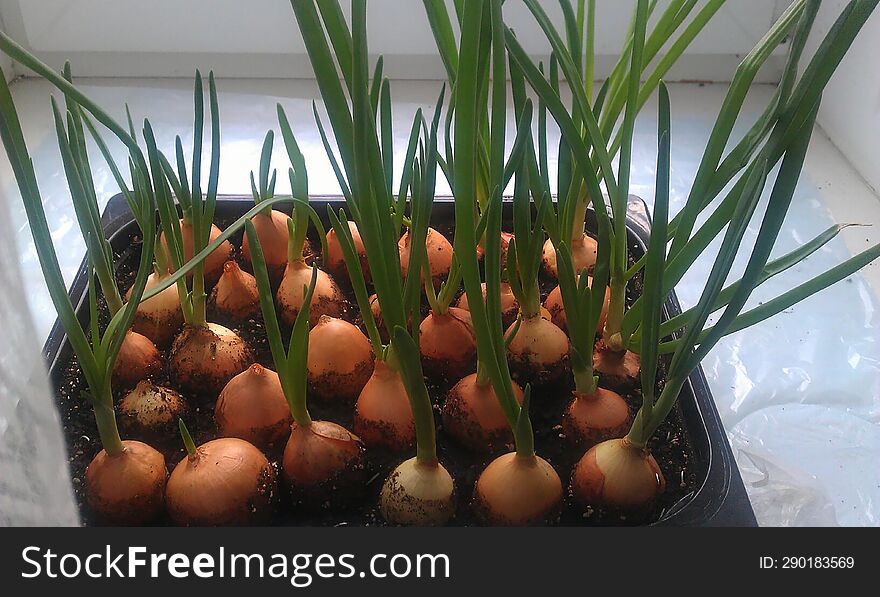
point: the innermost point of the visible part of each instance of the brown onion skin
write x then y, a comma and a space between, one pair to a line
204, 359
252, 407
334, 260
554, 305
227, 482
327, 298
518, 491
340, 359
323, 459
617, 474
505, 239
138, 359
439, 252
150, 410
539, 351
593, 418
127, 489
509, 306
448, 343
160, 317
583, 255
618, 370
213, 262
473, 416
235, 295
272, 231
382, 415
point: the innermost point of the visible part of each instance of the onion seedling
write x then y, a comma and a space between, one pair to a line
540, 350
320, 457
420, 490
223, 482
580, 302
125, 481
204, 356
138, 357
518, 487
446, 335
327, 298
270, 224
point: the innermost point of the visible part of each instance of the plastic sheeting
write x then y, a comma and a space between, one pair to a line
34, 481
799, 394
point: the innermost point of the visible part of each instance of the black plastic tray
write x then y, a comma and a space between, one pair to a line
719, 498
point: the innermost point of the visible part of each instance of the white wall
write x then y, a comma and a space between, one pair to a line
259, 38
850, 111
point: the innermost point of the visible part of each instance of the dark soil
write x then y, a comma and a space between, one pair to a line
671, 446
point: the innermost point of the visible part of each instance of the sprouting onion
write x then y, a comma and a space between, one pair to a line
580, 303
540, 350
204, 356
327, 298
223, 482
270, 224
518, 487
320, 457
125, 482
420, 490
446, 341
138, 357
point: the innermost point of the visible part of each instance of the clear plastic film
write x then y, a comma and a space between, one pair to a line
35, 485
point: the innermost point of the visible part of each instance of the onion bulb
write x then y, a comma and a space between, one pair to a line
554, 305
127, 488
235, 295
151, 410
213, 262
505, 239
439, 255
252, 407
592, 418
376, 311
618, 369
509, 306
321, 459
382, 414
583, 255
327, 298
418, 493
272, 231
518, 490
158, 318
473, 416
618, 474
334, 260
204, 358
227, 481
138, 359
340, 359
448, 343
539, 351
